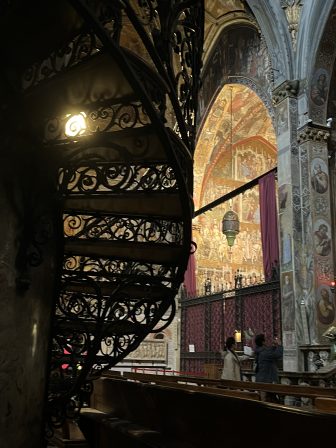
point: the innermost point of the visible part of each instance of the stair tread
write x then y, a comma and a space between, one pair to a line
111, 327
146, 252
130, 291
163, 206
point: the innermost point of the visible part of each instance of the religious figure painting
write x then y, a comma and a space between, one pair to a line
287, 301
325, 306
284, 164
286, 248
322, 239
319, 176
319, 88
282, 118
283, 196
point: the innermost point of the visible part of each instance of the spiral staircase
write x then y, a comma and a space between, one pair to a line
108, 90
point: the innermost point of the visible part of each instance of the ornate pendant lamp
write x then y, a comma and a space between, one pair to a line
230, 222
230, 226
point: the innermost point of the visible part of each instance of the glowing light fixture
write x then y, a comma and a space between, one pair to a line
75, 125
237, 336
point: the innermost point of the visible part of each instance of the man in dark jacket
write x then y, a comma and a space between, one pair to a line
266, 362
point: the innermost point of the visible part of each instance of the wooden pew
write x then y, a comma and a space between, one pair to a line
326, 404
212, 390
311, 392
136, 415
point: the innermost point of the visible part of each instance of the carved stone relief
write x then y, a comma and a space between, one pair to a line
292, 10
155, 350
285, 90
312, 133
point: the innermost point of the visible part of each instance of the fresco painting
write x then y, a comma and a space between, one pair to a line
319, 88
282, 118
240, 52
287, 302
217, 8
236, 145
239, 136
322, 238
215, 260
319, 176
325, 305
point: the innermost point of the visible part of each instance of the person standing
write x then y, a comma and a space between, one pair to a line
266, 358
231, 367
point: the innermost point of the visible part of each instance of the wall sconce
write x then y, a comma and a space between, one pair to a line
237, 336
75, 125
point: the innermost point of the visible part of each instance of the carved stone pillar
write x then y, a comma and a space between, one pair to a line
317, 271
306, 264
291, 214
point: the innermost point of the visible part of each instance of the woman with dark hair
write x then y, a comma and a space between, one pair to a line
231, 367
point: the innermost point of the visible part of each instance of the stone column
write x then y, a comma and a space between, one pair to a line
27, 274
316, 271
290, 236
304, 222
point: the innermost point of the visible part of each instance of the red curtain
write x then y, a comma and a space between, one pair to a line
269, 224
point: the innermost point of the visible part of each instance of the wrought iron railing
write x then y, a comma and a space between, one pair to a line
209, 319
125, 180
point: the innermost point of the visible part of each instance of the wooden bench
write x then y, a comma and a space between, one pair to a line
136, 414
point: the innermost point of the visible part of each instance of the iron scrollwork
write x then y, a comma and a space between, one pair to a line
110, 300
90, 227
104, 178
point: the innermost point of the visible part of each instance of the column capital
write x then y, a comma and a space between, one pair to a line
285, 90
313, 132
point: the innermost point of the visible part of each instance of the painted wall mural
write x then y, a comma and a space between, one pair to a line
239, 52
287, 302
322, 238
237, 144
319, 88
319, 176
214, 258
216, 8
325, 305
